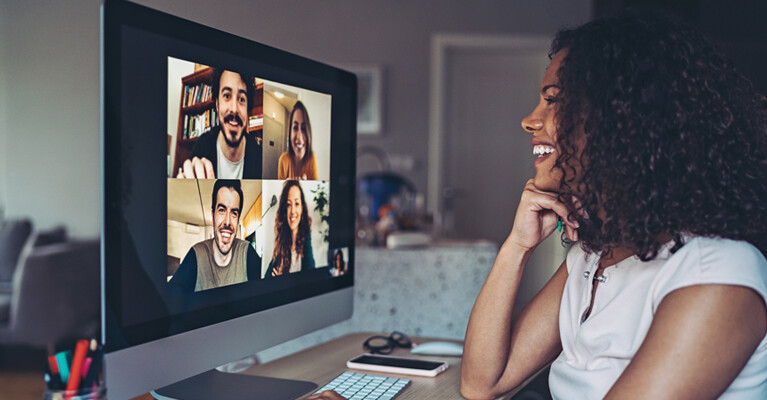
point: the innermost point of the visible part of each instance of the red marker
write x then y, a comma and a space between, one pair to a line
81, 350
55, 383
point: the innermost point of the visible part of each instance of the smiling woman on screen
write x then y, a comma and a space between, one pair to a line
292, 242
298, 162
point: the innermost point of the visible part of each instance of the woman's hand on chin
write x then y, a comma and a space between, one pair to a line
537, 217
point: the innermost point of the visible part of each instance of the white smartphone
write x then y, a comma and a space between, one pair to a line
397, 365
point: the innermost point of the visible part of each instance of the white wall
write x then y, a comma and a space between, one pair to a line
3, 119
51, 120
49, 85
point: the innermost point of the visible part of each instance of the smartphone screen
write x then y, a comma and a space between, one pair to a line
399, 365
397, 362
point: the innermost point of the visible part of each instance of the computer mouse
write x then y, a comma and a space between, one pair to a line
438, 348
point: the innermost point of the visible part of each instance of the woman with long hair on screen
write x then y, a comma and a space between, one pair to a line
338, 266
292, 241
652, 156
298, 162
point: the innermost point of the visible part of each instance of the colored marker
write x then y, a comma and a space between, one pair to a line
52, 378
55, 379
86, 365
62, 361
92, 378
76, 370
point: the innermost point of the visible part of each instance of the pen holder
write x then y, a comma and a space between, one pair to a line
95, 393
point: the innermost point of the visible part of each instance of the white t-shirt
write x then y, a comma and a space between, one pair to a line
295, 262
226, 168
595, 353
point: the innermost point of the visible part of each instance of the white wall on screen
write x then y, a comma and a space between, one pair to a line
181, 238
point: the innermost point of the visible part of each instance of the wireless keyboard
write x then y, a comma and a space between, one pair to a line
358, 386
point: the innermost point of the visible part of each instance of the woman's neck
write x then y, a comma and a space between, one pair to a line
619, 254
298, 161
615, 256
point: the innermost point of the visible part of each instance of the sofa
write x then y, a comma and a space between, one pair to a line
49, 285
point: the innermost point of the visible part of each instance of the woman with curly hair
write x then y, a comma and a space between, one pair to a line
652, 154
292, 242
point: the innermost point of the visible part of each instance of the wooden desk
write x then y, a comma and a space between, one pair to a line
322, 363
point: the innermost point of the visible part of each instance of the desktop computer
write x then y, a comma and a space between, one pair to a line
228, 203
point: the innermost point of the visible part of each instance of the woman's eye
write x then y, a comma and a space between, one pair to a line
550, 100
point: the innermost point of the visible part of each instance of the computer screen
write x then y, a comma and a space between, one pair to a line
228, 200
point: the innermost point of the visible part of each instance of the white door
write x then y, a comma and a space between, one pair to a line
480, 156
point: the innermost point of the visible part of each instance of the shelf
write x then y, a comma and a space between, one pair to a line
198, 108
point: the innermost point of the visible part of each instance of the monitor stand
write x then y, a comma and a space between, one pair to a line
233, 386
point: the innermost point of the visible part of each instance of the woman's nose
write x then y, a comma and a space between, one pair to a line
532, 123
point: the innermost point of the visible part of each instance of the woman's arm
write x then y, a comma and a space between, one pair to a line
499, 354
700, 339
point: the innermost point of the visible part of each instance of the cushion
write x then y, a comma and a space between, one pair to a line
51, 236
13, 236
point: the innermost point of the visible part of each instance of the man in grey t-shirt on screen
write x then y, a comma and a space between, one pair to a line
224, 259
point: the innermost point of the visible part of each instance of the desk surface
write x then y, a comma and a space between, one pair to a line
322, 363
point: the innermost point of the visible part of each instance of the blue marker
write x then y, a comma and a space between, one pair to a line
63, 359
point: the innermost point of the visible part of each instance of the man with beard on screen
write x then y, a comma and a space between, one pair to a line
227, 151
224, 259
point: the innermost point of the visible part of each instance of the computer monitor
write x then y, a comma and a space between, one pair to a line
228, 202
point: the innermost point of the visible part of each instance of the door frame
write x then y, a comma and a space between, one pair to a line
441, 46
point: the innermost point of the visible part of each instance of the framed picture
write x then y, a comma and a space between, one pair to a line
369, 99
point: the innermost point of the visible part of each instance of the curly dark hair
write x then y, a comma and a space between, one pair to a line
283, 241
673, 139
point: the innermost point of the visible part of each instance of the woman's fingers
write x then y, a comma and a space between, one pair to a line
571, 233
540, 201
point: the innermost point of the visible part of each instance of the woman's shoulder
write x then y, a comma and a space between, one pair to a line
715, 261
713, 252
